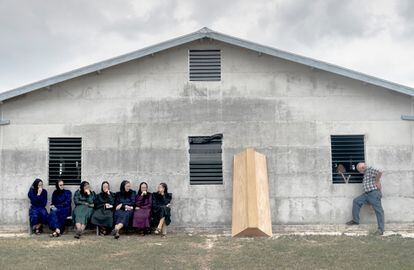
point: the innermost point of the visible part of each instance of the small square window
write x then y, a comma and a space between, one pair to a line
205, 65
347, 151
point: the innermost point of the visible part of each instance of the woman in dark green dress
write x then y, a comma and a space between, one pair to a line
82, 213
103, 216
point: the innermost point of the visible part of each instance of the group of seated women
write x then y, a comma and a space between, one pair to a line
107, 210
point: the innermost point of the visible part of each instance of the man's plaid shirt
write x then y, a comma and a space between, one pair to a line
369, 179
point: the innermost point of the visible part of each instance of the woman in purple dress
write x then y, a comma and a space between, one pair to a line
38, 200
60, 209
142, 213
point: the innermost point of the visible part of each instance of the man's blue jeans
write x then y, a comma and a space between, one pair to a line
373, 198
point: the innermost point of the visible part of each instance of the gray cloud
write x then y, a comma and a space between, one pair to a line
44, 38
405, 9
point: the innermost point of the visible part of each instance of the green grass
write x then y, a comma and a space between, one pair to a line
180, 251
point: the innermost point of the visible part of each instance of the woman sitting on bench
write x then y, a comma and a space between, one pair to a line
124, 207
103, 217
161, 210
82, 213
60, 209
38, 200
142, 213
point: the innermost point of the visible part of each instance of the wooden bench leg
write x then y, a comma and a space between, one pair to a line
69, 220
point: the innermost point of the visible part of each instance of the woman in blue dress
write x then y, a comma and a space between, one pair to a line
38, 200
60, 209
124, 207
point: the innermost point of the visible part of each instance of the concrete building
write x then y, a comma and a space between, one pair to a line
135, 116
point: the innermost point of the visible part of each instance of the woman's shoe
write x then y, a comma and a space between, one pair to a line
78, 234
102, 232
115, 233
55, 234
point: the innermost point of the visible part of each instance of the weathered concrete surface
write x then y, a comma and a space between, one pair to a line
135, 119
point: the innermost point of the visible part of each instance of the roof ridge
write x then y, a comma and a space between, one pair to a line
199, 34
205, 30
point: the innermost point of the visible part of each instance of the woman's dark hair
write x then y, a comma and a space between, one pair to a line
57, 186
122, 187
82, 187
139, 189
35, 184
103, 183
165, 187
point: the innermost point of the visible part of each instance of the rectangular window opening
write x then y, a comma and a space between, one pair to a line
206, 165
347, 151
65, 160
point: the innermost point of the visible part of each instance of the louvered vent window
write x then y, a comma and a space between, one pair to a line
206, 166
347, 151
65, 160
205, 65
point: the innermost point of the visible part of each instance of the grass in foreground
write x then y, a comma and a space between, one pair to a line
181, 251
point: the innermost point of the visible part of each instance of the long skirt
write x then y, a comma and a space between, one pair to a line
142, 218
122, 216
57, 218
159, 213
82, 214
103, 217
37, 215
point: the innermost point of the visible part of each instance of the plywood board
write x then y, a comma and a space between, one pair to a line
251, 207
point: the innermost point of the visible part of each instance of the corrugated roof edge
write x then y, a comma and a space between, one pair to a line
206, 33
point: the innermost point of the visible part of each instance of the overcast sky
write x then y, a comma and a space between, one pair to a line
42, 38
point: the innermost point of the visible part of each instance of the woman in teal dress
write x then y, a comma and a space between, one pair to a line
84, 203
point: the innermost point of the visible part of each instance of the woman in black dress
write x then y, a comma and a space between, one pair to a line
103, 217
161, 211
124, 207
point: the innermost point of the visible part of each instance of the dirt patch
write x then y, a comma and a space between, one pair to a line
120, 254
59, 243
13, 235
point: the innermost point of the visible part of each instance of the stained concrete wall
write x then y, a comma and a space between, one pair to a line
135, 119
